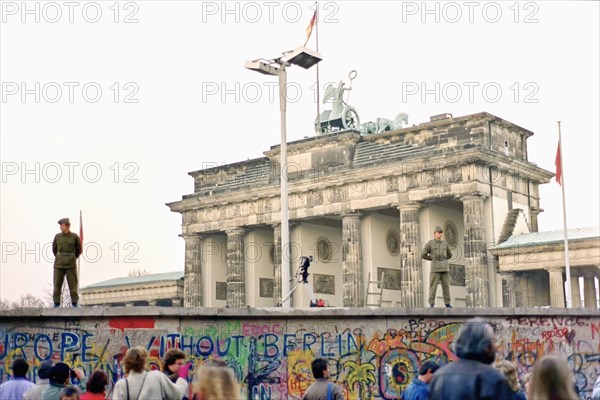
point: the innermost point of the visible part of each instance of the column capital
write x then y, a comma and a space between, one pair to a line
508, 273
409, 206
473, 197
555, 269
235, 231
351, 214
535, 210
194, 235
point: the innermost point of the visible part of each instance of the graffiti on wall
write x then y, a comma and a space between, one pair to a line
374, 359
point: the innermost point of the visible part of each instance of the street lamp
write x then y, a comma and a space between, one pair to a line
304, 58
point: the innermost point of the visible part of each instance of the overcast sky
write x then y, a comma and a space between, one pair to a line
107, 106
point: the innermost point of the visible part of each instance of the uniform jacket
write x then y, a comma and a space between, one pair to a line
438, 252
469, 380
66, 248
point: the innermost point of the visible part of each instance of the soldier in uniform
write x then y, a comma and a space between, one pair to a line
438, 252
66, 248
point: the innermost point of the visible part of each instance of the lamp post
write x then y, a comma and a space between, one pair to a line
304, 58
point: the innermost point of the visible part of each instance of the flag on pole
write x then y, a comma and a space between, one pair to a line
80, 228
558, 164
310, 27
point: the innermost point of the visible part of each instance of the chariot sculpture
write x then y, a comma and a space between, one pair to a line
342, 116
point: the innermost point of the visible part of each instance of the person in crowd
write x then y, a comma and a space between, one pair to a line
215, 381
471, 377
509, 370
525, 380
596, 391
173, 360
59, 378
18, 385
69, 393
143, 385
551, 379
322, 389
96, 386
419, 387
42, 383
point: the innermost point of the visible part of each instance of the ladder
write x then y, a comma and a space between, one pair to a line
376, 292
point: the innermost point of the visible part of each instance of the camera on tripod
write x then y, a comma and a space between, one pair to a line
303, 279
304, 264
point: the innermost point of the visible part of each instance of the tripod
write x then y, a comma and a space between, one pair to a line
303, 280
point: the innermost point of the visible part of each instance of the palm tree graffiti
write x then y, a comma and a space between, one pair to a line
361, 374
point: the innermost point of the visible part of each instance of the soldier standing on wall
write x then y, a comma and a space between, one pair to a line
66, 248
438, 252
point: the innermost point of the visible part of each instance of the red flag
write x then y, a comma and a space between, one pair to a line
309, 29
558, 164
81, 228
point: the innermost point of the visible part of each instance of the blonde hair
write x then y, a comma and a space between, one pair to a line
217, 383
509, 370
551, 379
135, 359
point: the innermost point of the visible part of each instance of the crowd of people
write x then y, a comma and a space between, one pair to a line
214, 381
476, 375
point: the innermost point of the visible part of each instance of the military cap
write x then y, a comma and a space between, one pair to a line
64, 221
438, 229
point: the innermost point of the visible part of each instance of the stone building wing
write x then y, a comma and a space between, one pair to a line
164, 289
531, 263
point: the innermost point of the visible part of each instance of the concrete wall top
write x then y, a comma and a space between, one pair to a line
279, 313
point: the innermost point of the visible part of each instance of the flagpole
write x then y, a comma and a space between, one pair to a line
562, 185
318, 84
79, 258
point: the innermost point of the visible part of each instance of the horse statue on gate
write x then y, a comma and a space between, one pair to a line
384, 124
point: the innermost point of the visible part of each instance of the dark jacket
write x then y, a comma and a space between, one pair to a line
469, 380
520, 395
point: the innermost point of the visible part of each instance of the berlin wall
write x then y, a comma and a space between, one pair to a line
372, 353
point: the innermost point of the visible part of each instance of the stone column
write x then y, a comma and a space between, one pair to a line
236, 276
589, 292
277, 295
533, 217
352, 267
575, 291
508, 290
410, 256
557, 292
192, 280
476, 270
